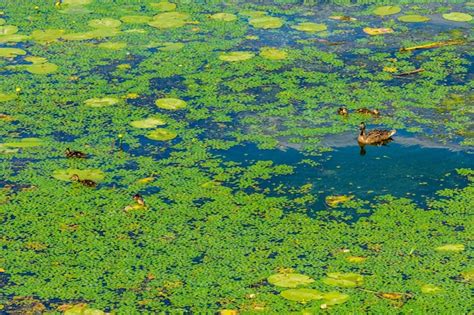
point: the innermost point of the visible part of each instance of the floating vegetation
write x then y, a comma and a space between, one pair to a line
301, 295
24, 143
289, 280
387, 10
273, 53
113, 45
457, 17
310, 27
170, 103
414, 18
377, 31
169, 20
136, 19
345, 280
450, 248
236, 56
101, 102
148, 123
266, 22
104, 23
163, 6
334, 201
161, 134
91, 174
11, 52
227, 17
5, 97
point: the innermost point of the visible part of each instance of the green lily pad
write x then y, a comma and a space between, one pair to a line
169, 20
457, 17
170, 103
47, 36
13, 38
301, 295
227, 17
430, 289
289, 280
113, 45
5, 97
91, 174
161, 134
266, 22
334, 298
136, 19
35, 59
163, 6
104, 32
273, 53
11, 52
24, 143
468, 275
101, 102
450, 248
2, 21
310, 27
104, 23
76, 2
236, 56
151, 122
345, 280
171, 46
42, 68
387, 10
414, 18
8, 30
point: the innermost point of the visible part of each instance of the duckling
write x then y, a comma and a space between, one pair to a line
342, 111
366, 111
85, 182
75, 154
374, 136
139, 200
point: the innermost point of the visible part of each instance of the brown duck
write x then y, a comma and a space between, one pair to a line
366, 111
342, 111
75, 154
375, 136
85, 182
139, 199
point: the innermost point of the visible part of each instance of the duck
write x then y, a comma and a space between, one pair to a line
342, 111
85, 182
375, 136
139, 200
366, 111
75, 154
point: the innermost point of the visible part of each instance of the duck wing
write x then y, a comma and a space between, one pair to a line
376, 135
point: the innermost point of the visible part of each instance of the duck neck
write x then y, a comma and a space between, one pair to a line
362, 132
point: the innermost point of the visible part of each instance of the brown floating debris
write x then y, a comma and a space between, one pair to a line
433, 45
403, 74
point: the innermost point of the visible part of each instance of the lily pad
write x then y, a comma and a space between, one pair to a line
170, 103
151, 122
163, 6
24, 143
113, 45
136, 19
334, 201
356, 259
450, 248
227, 17
169, 20
334, 298
75, 10
377, 31
13, 38
414, 18
76, 2
104, 23
266, 22
273, 53
2, 21
11, 52
35, 59
387, 10
46, 36
161, 134
345, 280
430, 289
104, 32
310, 27
301, 295
289, 280
457, 17
101, 102
236, 56
42, 68
92, 174
8, 30
468, 275
5, 97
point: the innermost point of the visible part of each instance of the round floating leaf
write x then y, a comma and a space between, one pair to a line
334, 201
161, 134
457, 17
227, 17
8, 30
136, 19
104, 23
387, 10
334, 298
236, 56
104, 32
163, 6
101, 102
450, 248
273, 53
2, 21
355, 259
113, 45
47, 36
11, 52
468, 275
5, 97
289, 280
14, 38
169, 20
170, 103
377, 31
414, 18
266, 22
310, 27
151, 122
301, 295
24, 143
430, 289
35, 59
171, 46
92, 174
93, 311
42, 68
345, 280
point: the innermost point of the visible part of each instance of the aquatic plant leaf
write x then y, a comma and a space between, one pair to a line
35, 59
161, 134
78, 36
104, 32
104, 23
101, 102
47, 36
301, 295
170, 103
457, 17
136, 19
334, 201
343, 18
5, 97
25, 143
334, 298
42, 68
377, 31
430, 289
310, 27
91, 174
11, 52
169, 20
345, 280
113, 45
266, 22
77, 2
8, 30
356, 259
433, 45
2, 21
414, 18
13, 38
468, 275
75, 10
148, 123
387, 10
93, 311
227, 17
236, 56
450, 248
390, 295
289, 280
163, 6
273, 53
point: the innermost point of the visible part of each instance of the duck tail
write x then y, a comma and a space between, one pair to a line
392, 132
